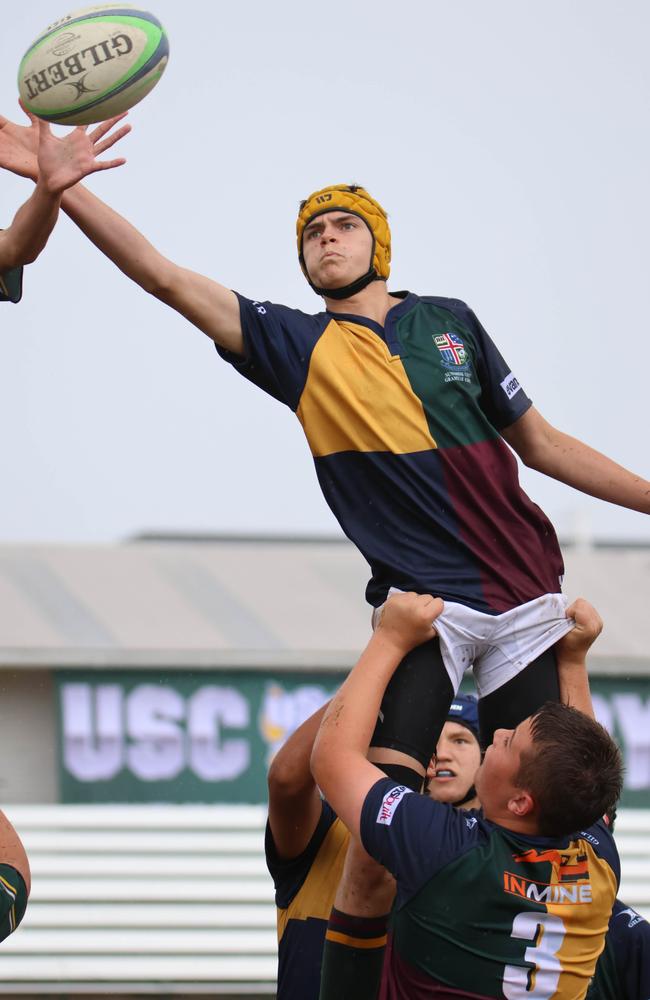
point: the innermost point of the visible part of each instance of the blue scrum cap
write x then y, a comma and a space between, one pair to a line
464, 711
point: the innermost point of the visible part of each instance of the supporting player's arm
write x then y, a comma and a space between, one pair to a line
339, 759
294, 799
59, 164
571, 653
210, 306
542, 447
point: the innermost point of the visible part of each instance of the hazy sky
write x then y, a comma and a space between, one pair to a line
509, 142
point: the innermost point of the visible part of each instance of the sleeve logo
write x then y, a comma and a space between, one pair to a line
510, 385
390, 802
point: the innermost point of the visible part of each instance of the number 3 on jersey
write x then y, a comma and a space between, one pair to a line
540, 983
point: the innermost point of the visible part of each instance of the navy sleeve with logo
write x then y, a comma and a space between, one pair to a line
503, 400
278, 342
413, 836
623, 970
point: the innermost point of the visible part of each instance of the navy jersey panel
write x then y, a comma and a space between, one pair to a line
399, 510
413, 836
278, 342
623, 970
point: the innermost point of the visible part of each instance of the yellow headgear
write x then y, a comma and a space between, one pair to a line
354, 199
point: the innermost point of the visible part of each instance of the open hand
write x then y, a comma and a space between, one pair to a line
64, 162
19, 147
32, 151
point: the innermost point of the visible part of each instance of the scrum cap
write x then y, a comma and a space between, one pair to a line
356, 200
464, 711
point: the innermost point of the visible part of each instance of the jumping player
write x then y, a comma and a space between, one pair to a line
61, 164
407, 405
487, 903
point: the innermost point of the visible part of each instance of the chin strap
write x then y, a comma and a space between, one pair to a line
470, 794
351, 289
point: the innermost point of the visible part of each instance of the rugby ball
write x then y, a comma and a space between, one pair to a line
93, 64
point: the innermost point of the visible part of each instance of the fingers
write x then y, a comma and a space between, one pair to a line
33, 119
106, 126
108, 164
101, 147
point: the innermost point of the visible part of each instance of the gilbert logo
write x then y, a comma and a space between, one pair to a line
84, 60
389, 804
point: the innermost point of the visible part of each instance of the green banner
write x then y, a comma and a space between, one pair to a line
209, 736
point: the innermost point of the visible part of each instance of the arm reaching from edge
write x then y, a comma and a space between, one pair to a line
294, 799
210, 306
571, 653
60, 163
542, 447
12, 851
339, 759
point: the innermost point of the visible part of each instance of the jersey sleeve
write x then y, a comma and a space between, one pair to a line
13, 900
633, 954
278, 343
289, 874
11, 285
503, 399
413, 836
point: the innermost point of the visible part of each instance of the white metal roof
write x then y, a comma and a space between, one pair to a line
248, 602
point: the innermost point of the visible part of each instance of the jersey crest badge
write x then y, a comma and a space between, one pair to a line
452, 350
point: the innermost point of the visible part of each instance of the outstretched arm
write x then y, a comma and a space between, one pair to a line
571, 653
339, 759
210, 306
546, 449
294, 799
60, 164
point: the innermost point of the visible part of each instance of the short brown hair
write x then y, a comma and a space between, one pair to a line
574, 770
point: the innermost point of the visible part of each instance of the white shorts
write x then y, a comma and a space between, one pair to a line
498, 647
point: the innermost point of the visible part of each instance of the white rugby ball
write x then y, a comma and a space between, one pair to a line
93, 64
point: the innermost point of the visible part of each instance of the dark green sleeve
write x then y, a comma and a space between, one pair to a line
13, 900
11, 285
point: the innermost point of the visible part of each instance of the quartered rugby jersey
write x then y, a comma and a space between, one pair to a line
11, 285
305, 888
403, 424
482, 912
623, 970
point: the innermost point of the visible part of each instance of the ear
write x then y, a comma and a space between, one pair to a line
521, 804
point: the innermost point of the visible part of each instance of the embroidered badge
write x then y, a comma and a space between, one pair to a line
453, 357
451, 348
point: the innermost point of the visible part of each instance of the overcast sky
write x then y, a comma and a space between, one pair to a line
509, 143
